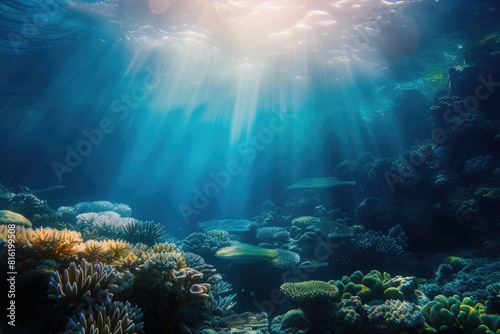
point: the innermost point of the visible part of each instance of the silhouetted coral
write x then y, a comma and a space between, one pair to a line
115, 317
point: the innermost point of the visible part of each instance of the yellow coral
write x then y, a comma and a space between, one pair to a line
92, 251
164, 247
19, 233
49, 243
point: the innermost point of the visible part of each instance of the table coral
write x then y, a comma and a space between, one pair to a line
246, 253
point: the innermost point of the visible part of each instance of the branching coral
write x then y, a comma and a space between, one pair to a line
85, 283
53, 244
109, 318
108, 251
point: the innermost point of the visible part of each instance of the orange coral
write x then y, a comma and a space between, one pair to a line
49, 243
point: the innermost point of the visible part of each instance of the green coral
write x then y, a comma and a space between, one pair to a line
377, 285
445, 314
456, 262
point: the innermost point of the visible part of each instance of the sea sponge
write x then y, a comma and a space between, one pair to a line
319, 183
85, 283
108, 318
53, 244
246, 253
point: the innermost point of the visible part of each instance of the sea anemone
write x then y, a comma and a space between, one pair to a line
84, 283
109, 318
146, 232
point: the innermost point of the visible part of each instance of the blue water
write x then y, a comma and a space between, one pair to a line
200, 110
